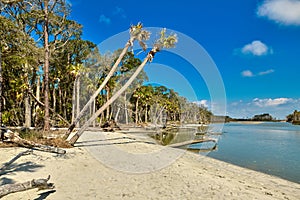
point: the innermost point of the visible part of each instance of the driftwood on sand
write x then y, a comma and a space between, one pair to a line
14, 137
6, 189
189, 142
41, 184
110, 125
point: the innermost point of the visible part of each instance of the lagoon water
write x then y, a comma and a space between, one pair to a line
270, 147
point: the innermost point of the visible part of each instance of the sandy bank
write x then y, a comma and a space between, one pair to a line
130, 166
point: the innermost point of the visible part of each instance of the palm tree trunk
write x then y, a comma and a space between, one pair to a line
117, 114
60, 99
27, 111
36, 105
146, 114
107, 98
125, 108
136, 111
74, 99
113, 98
65, 104
110, 74
54, 98
77, 96
93, 111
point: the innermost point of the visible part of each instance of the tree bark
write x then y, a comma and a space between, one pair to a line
93, 111
65, 99
136, 111
125, 108
41, 184
117, 114
77, 96
27, 111
113, 98
60, 100
146, 113
1, 80
54, 98
46, 67
107, 99
74, 100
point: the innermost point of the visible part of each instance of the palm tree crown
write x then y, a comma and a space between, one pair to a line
138, 33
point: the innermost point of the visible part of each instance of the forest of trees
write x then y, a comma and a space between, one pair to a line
48, 73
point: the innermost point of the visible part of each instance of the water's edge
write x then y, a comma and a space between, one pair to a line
271, 147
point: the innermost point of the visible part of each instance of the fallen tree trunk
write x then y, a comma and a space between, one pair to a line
41, 184
189, 142
6, 165
14, 138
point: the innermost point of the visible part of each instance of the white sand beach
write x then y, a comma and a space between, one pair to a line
129, 166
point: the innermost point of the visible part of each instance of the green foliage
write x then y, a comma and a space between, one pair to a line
154, 99
138, 33
166, 41
72, 59
294, 118
22, 46
31, 134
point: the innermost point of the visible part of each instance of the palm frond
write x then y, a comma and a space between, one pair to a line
166, 41
137, 33
143, 35
143, 45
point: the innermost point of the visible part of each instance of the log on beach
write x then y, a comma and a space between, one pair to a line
15, 138
189, 142
41, 184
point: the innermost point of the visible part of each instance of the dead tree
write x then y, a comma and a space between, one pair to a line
41, 184
14, 137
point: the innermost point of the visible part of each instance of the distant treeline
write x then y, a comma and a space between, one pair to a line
294, 118
260, 117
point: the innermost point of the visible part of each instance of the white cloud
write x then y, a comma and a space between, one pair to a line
277, 107
247, 73
266, 72
216, 107
256, 48
104, 19
203, 103
285, 12
271, 102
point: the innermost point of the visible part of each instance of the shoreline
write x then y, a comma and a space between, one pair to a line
81, 175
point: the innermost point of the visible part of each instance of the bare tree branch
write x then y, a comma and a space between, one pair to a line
53, 111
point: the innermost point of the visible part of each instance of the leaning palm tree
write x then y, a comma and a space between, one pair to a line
163, 42
136, 33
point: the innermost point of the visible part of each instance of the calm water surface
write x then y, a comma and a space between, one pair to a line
272, 148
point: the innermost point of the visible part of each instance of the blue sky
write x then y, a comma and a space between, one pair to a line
255, 45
